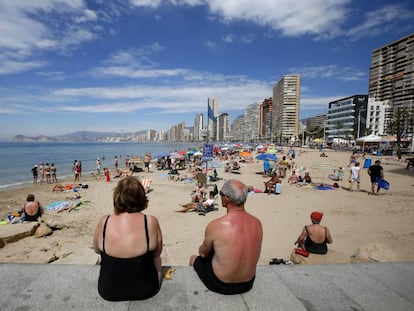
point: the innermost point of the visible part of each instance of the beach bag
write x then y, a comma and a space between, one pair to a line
384, 184
302, 252
278, 188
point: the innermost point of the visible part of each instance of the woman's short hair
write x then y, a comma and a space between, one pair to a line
237, 195
30, 198
129, 196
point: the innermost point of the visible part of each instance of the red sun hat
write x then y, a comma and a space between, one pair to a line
317, 216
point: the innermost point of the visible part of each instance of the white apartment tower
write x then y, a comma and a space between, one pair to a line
285, 109
198, 127
391, 83
251, 122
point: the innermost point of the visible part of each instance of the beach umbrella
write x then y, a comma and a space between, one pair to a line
182, 152
198, 153
317, 140
245, 154
176, 155
161, 154
266, 156
271, 150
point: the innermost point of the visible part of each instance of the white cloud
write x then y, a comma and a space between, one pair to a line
28, 27
319, 18
378, 21
329, 72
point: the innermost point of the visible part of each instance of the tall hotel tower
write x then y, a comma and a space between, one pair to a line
198, 127
391, 83
285, 109
212, 114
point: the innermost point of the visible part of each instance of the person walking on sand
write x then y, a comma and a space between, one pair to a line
376, 173
232, 243
352, 159
354, 176
147, 161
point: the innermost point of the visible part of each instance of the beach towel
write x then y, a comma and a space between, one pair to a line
58, 205
324, 187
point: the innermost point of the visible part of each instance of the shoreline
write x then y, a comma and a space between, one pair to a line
381, 224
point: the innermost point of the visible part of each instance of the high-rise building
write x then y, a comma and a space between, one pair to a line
212, 114
391, 83
265, 119
223, 127
344, 118
251, 122
285, 109
198, 127
237, 129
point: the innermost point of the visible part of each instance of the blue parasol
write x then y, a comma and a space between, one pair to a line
266, 156
161, 155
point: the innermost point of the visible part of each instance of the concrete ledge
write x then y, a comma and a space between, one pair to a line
373, 286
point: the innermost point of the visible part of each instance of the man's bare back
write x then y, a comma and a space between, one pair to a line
237, 239
231, 245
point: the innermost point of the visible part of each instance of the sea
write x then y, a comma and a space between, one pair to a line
17, 158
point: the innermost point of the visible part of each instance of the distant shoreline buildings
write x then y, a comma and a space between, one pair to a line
276, 119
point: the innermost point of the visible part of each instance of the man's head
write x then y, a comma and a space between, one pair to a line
377, 162
234, 191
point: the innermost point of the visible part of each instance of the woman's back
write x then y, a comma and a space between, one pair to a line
127, 261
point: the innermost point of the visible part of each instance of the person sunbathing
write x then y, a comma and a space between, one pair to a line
294, 178
270, 184
198, 193
192, 206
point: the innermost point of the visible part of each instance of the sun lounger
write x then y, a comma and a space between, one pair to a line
146, 183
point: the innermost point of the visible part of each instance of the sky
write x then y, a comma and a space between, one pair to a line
132, 65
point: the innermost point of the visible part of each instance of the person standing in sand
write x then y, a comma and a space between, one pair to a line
147, 161
376, 173
41, 172
53, 170
354, 176
47, 173
231, 248
35, 174
116, 163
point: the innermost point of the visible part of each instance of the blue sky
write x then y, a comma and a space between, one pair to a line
69, 65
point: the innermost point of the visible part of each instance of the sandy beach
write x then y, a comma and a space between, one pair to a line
383, 223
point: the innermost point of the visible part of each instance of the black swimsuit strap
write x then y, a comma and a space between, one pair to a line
146, 232
104, 231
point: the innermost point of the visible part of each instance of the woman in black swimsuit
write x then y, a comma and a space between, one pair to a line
314, 238
130, 245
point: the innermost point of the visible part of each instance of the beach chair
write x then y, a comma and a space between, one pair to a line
203, 210
146, 183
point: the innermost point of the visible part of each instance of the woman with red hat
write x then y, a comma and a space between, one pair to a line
314, 237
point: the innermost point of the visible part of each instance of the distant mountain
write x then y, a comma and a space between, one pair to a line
80, 136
